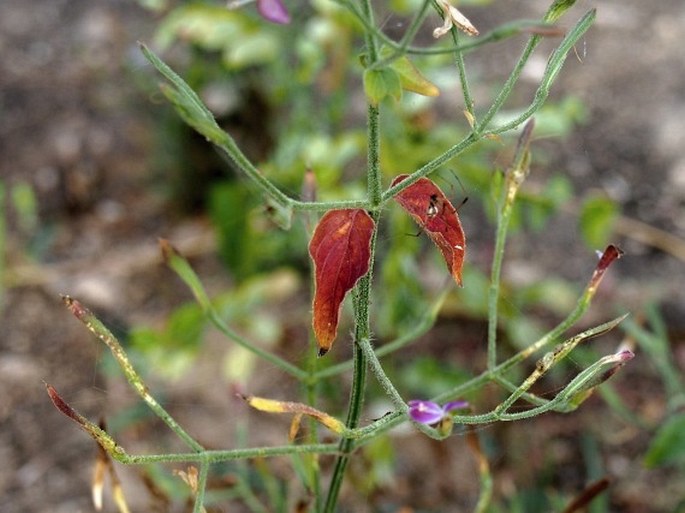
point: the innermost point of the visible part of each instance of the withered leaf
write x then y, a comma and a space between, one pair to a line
340, 249
434, 213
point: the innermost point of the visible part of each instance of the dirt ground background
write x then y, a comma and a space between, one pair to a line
76, 124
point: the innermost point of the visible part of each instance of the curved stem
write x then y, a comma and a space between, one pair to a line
554, 65
382, 378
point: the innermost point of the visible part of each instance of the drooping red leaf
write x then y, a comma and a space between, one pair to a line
340, 249
434, 213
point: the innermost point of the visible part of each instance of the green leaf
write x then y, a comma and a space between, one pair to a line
556, 60
411, 78
187, 102
597, 218
668, 445
557, 9
379, 83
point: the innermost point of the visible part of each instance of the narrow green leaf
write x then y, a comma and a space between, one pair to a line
181, 267
556, 60
557, 9
186, 101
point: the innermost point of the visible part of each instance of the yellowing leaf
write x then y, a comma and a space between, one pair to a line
411, 78
274, 406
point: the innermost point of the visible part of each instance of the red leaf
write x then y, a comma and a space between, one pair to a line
434, 213
340, 249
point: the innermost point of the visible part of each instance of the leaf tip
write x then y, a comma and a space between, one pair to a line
75, 307
609, 256
62, 405
167, 249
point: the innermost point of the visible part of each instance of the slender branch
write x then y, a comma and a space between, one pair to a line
382, 378
96, 327
431, 166
504, 31
400, 48
217, 456
463, 78
552, 70
513, 180
183, 269
422, 326
198, 506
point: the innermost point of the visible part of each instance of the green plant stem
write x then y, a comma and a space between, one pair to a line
374, 185
268, 356
513, 179
135, 380
463, 79
424, 324
362, 331
508, 86
431, 166
504, 31
312, 467
503, 218
401, 47
198, 506
217, 456
382, 378
362, 300
322, 206
554, 65
353, 415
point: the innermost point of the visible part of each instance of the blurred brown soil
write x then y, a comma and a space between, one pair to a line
77, 124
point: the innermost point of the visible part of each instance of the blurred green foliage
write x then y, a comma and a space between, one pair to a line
667, 446
597, 217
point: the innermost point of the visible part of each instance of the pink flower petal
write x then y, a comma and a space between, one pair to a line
425, 412
273, 11
455, 405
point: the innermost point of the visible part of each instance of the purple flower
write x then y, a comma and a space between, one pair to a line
273, 11
428, 412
